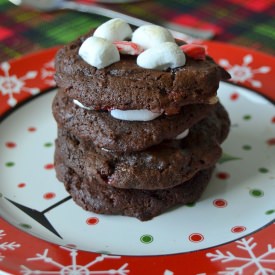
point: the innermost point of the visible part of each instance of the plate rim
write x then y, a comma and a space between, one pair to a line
170, 260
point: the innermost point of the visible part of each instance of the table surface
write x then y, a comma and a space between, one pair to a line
240, 22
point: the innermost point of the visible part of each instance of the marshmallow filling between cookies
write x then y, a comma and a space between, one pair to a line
134, 115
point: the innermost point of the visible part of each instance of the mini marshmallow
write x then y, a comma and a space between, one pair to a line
99, 52
183, 134
149, 36
76, 102
113, 30
166, 55
134, 115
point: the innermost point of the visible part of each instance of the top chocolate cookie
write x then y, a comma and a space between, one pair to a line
131, 82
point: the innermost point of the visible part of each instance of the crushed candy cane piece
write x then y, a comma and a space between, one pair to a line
127, 47
195, 51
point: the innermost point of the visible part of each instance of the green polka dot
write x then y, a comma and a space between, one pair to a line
9, 164
25, 226
191, 204
247, 117
263, 170
146, 239
48, 144
247, 147
256, 193
269, 212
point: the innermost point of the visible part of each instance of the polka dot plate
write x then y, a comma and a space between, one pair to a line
230, 230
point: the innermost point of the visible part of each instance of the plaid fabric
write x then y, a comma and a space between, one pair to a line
241, 22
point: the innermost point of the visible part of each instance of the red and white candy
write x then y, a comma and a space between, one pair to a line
197, 52
127, 47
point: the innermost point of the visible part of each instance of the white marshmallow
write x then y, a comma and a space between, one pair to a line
114, 30
99, 52
149, 36
183, 134
134, 115
76, 102
166, 55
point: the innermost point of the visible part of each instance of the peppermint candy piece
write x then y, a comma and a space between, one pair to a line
149, 36
195, 51
99, 52
127, 47
165, 55
114, 30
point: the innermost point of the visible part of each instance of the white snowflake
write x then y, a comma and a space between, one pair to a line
6, 246
243, 73
259, 262
47, 73
11, 84
74, 268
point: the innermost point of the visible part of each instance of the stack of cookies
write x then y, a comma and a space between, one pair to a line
139, 123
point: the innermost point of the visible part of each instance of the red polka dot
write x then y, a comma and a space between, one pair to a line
220, 203
21, 185
10, 144
49, 166
234, 96
92, 221
271, 141
31, 129
273, 120
49, 196
238, 229
223, 175
196, 237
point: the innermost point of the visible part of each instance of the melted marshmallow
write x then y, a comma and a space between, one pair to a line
149, 36
134, 115
76, 102
114, 30
130, 115
183, 134
164, 56
99, 52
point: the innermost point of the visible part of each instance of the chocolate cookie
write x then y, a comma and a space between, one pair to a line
141, 204
102, 130
162, 166
126, 86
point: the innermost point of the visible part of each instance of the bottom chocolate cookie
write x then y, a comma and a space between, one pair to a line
142, 204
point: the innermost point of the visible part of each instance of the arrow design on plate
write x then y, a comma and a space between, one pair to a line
39, 216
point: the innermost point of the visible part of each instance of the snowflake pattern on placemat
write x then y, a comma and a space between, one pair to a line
260, 262
47, 73
74, 268
244, 73
6, 245
12, 84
